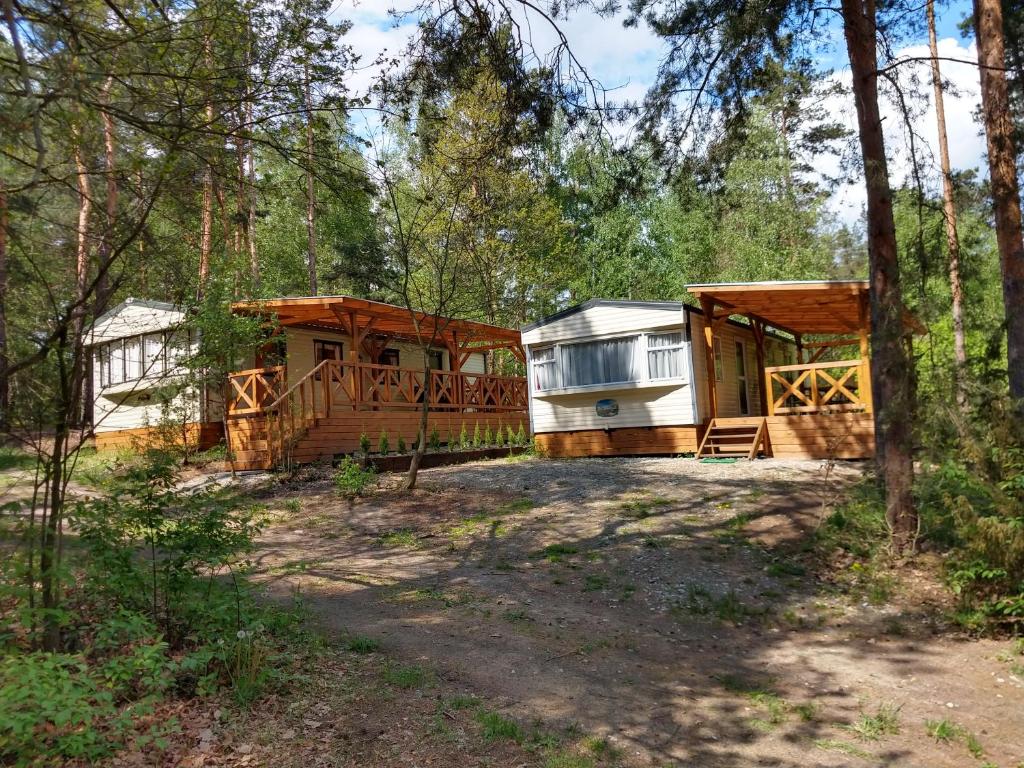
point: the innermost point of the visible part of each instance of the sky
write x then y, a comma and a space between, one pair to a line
625, 61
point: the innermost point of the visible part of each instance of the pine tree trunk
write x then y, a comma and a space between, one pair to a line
310, 188
5, 387
891, 363
995, 105
106, 247
956, 287
421, 441
206, 215
254, 262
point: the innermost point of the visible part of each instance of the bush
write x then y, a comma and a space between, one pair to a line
464, 442
351, 479
382, 445
401, 444
364, 444
476, 435
435, 440
521, 435
488, 436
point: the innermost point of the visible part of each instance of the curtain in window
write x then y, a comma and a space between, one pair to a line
116, 362
599, 362
665, 355
543, 361
178, 350
154, 355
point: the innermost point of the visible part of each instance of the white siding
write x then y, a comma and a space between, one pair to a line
642, 407
157, 397
131, 319
602, 321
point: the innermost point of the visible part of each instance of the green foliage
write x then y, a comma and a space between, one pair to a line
521, 435
488, 436
407, 677
382, 445
14, 458
364, 444
435, 440
450, 441
401, 443
476, 435
495, 726
352, 479
464, 442
362, 644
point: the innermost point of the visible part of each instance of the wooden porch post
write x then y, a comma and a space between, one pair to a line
708, 308
799, 347
758, 328
455, 353
864, 373
355, 380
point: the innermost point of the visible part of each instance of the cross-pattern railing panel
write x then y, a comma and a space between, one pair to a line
253, 390
842, 385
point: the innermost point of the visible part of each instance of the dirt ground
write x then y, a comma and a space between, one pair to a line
659, 606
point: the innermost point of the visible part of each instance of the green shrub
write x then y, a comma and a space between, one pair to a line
521, 435
351, 479
382, 445
401, 443
450, 440
488, 436
364, 443
464, 442
435, 440
476, 435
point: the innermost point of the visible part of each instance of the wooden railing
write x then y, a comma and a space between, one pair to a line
843, 385
253, 390
349, 386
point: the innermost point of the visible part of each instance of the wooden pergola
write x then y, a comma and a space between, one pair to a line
372, 325
824, 308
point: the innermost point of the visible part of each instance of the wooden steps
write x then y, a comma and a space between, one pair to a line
734, 440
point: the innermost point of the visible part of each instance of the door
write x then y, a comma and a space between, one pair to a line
326, 350
742, 385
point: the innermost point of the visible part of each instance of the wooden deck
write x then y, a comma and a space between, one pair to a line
815, 435
327, 411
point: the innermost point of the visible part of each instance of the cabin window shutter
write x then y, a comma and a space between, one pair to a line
665, 355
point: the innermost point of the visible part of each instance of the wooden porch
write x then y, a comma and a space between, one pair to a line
276, 416
818, 407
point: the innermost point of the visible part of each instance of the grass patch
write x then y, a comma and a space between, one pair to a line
12, 458
402, 538
407, 678
884, 722
949, 732
639, 509
362, 644
555, 553
495, 726
461, 701
843, 747
595, 582
728, 607
784, 568
569, 760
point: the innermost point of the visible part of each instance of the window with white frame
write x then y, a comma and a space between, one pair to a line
665, 355
148, 356
544, 371
618, 360
608, 361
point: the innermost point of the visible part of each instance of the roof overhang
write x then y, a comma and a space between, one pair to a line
348, 314
799, 307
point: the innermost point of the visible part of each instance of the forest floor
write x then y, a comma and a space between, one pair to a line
627, 612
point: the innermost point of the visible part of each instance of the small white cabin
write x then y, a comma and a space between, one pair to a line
138, 377
623, 377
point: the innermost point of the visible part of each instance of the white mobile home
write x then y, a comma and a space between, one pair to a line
138, 380
624, 377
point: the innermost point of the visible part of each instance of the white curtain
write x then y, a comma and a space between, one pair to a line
599, 362
154, 357
665, 355
544, 373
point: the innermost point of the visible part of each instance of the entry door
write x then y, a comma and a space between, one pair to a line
742, 385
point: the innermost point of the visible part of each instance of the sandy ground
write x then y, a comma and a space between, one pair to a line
658, 603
